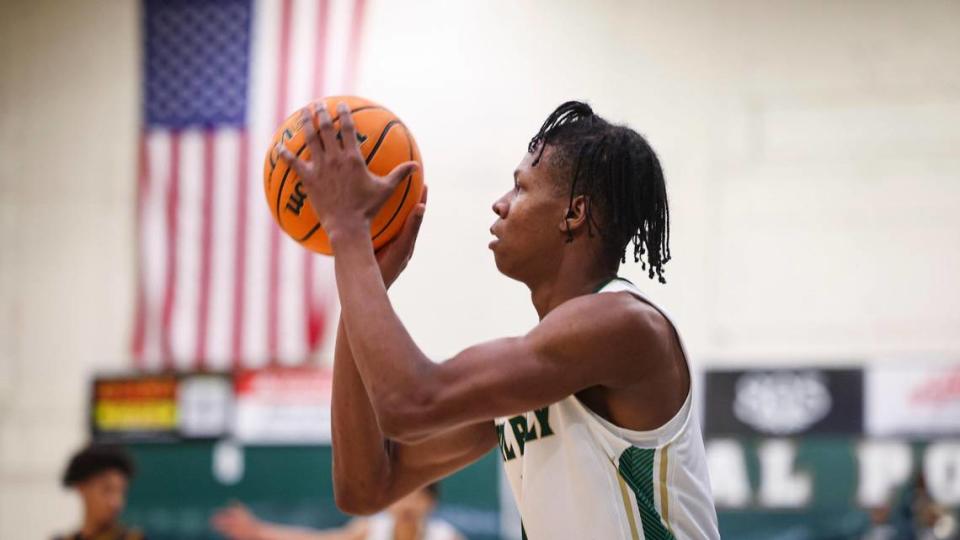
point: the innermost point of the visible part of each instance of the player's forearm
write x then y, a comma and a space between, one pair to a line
361, 465
395, 371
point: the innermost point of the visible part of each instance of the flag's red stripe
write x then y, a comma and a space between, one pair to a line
173, 196
313, 310
240, 254
206, 248
143, 186
273, 298
353, 46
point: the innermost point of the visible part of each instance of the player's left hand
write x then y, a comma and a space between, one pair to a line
394, 256
344, 194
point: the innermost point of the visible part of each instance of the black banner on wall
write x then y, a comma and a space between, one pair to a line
784, 402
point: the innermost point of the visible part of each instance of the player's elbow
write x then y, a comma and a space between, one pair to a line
405, 417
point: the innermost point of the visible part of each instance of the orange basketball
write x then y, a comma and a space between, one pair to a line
385, 142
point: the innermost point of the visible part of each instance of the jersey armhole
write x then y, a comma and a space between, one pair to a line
677, 423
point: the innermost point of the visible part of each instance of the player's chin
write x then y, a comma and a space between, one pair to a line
505, 265
498, 256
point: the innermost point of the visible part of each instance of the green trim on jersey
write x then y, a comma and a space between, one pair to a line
636, 468
604, 284
611, 280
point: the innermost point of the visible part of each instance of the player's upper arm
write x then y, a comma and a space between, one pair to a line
599, 339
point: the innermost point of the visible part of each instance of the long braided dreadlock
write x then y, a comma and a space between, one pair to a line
616, 169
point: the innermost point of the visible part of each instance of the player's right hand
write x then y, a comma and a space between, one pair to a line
236, 522
393, 257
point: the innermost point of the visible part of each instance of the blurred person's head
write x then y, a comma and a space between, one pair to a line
100, 474
585, 189
416, 506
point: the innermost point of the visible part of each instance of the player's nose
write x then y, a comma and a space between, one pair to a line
500, 206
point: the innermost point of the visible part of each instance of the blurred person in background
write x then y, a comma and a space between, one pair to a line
879, 526
932, 521
100, 474
407, 519
912, 514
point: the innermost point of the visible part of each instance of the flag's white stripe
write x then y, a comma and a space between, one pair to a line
261, 123
154, 248
341, 19
220, 318
302, 53
183, 325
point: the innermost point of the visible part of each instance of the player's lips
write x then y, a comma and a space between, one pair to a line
496, 238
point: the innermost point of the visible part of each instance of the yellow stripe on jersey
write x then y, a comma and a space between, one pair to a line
627, 507
664, 499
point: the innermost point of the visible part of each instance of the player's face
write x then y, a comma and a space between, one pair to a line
528, 232
104, 496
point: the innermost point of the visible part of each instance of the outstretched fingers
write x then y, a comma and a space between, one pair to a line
348, 131
328, 136
313, 141
298, 165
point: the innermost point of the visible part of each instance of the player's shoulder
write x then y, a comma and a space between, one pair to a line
613, 312
614, 325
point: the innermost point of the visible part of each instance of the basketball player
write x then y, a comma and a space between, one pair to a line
591, 409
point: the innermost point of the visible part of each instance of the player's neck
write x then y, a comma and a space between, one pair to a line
572, 278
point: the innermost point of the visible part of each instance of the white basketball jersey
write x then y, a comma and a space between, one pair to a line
381, 528
576, 475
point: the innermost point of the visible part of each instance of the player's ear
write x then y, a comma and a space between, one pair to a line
575, 215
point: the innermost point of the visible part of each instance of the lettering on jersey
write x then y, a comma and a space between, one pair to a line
523, 432
543, 418
506, 451
296, 199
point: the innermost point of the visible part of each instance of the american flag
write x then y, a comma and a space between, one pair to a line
219, 285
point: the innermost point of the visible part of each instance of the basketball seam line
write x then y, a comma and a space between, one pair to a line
406, 191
